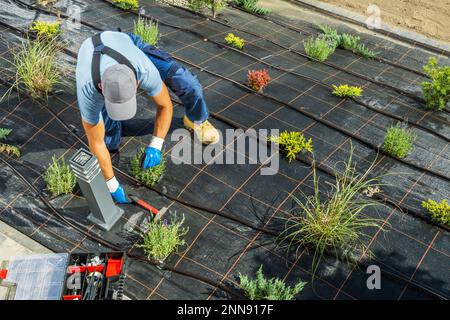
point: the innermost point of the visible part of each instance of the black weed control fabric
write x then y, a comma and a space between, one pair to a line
219, 248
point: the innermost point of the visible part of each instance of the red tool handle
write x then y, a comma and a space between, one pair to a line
146, 206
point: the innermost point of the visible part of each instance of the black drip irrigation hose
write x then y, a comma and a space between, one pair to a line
383, 199
396, 277
59, 215
227, 288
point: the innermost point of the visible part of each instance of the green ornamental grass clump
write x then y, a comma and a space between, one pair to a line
252, 7
147, 30
398, 141
46, 30
346, 91
292, 143
150, 176
335, 224
235, 41
440, 212
348, 41
436, 92
319, 48
59, 178
162, 238
36, 67
268, 289
126, 4
7, 148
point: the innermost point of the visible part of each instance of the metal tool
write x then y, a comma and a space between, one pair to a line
157, 214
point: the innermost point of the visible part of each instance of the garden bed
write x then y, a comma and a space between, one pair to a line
219, 248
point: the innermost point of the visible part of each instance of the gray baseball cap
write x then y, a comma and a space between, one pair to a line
119, 86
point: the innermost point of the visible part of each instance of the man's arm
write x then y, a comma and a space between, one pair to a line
164, 112
96, 135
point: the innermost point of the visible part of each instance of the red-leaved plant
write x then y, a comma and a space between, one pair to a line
258, 79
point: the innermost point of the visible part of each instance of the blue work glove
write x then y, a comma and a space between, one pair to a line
119, 196
151, 158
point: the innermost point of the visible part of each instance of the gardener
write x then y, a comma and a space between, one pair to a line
110, 68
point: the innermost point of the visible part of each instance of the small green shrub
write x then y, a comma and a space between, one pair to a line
365, 52
337, 224
59, 178
150, 176
235, 41
346, 91
319, 48
7, 148
46, 30
398, 140
271, 289
37, 68
215, 5
252, 7
161, 238
292, 143
436, 92
348, 41
126, 4
147, 30
440, 212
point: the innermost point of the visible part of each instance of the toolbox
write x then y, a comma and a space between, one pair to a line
62, 276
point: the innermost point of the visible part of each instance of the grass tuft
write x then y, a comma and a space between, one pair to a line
292, 143
161, 238
346, 91
235, 41
398, 140
252, 7
126, 4
147, 30
436, 92
440, 212
59, 177
46, 30
335, 225
268, 289
365, 52
150, 176
319, 48
348, 41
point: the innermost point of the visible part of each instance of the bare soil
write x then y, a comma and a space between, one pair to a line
428, 17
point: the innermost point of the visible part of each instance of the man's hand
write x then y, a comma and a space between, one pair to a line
151, 158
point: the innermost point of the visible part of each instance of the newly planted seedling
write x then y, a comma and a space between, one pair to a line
348, 41
126, 4
436, 92
7, 148
319, 48
440, 212
292, 143
365, 52
36, 68
235, 41
333, 222
46, 30
162, 238
59, 178
346, 91
149, 176
252, 6
268, 289
258, 79
330, 34
398, 140
215, 5
147, 30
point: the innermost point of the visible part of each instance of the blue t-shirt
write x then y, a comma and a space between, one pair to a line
90, 101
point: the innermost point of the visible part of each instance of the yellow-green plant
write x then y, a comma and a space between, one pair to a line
126, 4
319, 48
398, 140
440, 212
436, 92
149, 176
292, 143
46, 30
215, 5
59, 177
235, 41
268, 289
147, 30
346, 91
162, 238
7, 148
